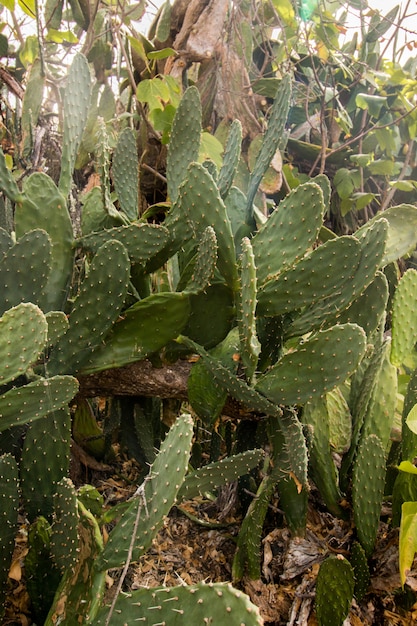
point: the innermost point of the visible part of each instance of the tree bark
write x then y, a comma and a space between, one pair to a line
139, 379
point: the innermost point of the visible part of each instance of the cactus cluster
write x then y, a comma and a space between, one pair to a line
288, 326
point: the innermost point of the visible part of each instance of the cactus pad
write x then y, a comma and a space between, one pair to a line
212, 603
318, 365
334, 591
22, 338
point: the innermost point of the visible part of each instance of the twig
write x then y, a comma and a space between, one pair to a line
140, 492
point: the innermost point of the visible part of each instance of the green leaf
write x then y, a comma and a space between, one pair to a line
411, 420
408, 538
154, 92
210, 148
383, 167
371, 103
58, 36
161, 54
28, 7
407, 467
9, 4
344, 183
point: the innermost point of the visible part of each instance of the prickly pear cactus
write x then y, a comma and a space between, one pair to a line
184, 144
152, 501
103, 291
9, 505
45, 461
368, 480
25, 270
404, 324
334, 591
318, 365
23, 332
76, 105
43, 206
212, 603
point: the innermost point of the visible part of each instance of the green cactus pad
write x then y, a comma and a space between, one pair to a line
24, 270
334, 591
409, 439
204, 263
402, 231
201, 202
142, 241
289, 232
125, 168
248, 553
321, 465
45, 461
318, 365
327, 311
368, 481
212, 603
340, 421
43, 206
22, 338
6, 242
154, 499
367, 310
380, 414
7, 182
41, 575
324, 272
184, 143
64, 537
23, 405
205, 395
81, 590
144, 328
230, 158
214, 475
404, 319
250, 346
292, 492
212, 314
76, 104
273, 140
361, 393
360, 566
239, 390
235, 203
9, 508
57, 326
31, 106
98, 304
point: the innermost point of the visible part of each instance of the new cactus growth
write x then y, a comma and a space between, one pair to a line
334, 591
